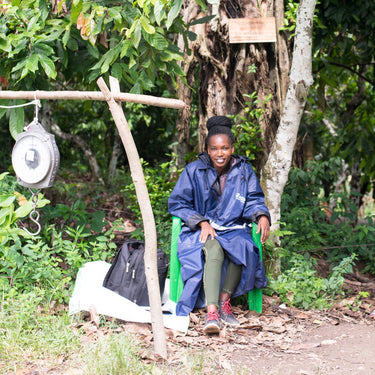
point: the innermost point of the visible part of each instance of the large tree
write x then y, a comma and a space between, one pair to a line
227, 72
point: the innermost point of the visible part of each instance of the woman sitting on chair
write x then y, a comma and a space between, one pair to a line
217, 197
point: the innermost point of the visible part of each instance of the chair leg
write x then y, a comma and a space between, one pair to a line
255, 296
175, 280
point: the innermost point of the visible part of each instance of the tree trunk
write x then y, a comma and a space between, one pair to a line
282, 53
184, 92
275, 172
151, 270
116, 152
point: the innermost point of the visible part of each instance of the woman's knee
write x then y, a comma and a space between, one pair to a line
213, 251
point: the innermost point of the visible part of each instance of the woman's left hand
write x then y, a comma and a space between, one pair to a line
264, 229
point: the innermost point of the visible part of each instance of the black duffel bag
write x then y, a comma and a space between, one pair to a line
127, 277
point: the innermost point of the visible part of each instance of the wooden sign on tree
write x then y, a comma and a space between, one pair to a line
252, 30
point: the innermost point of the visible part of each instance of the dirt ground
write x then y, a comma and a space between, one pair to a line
289, 341
344, 349
280, 341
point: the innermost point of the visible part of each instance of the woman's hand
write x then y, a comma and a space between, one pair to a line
264, 229
206, 231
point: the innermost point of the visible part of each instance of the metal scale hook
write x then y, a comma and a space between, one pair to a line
34, 214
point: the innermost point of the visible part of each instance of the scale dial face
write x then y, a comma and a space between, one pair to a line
31, 158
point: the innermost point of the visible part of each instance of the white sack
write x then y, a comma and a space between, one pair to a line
89, 292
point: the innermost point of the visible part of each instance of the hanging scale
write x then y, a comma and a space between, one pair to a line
35, 159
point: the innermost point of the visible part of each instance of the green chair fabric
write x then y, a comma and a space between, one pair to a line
176, 285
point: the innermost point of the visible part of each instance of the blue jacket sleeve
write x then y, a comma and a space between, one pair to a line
181, 202
255, 206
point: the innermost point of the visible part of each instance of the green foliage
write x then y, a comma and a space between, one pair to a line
50, 260
159, 185
116, 354
129, 41
247, 129
27, 326
300, 286
13, 207
306, 211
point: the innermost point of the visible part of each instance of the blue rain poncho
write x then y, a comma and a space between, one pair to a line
196, 198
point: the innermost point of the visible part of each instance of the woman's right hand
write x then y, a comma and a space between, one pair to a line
206, 231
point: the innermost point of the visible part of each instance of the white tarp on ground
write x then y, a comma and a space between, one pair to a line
89, 293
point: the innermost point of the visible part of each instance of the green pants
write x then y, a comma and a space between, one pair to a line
214, 257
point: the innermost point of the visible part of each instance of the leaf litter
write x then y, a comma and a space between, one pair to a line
277, 332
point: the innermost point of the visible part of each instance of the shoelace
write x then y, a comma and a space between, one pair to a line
212, 315
227, 308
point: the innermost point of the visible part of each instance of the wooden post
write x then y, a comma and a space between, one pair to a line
151, 270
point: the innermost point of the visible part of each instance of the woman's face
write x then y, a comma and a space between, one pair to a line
220, 150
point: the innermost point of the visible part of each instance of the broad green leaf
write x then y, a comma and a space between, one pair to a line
33, 25
62, 54
72, 44
44, 9
26, 4
24, 210
20, 65
42, 49
159, 12
167, 55
109, 58
136, 89
132, 61
42, 201
2, 175
146, 82
157, 41
116, 71
146, 25
201, 20
32, 63
176, 69
4, 212
7, 199
66, 38
3, 111
93, 51
76, 10
48, 66
137, 36
16, 121
125, 47
173, 13
192, 36
24, 73
5, 43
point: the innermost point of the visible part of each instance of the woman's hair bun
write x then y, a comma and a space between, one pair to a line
219, 121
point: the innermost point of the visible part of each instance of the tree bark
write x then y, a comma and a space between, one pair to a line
184, 92
282, 53
116, 152
276, 170
152, 278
